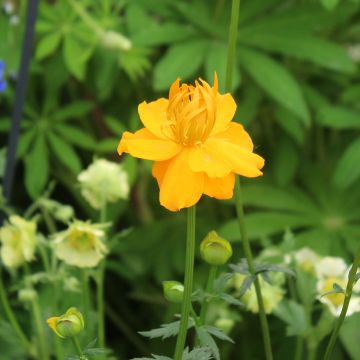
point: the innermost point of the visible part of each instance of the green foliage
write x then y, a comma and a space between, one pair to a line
296, 85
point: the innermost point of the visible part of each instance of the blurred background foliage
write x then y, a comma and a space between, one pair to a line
297, 86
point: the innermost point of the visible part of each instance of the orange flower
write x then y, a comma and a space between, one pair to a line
195, 147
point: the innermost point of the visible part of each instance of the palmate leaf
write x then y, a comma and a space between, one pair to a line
218, 333
260, 268
276, 81
347, 170
199, 353
339, 117
166, 330
207, 340
261, 224
175, 63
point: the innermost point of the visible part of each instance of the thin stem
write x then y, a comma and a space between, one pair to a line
233, 30
249, 258
39, 328
77, 346
11, 317
348, 293
100, 287
209, 289
86, 293
188, 282
299, 348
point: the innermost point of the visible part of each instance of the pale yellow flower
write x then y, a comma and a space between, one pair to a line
81, 244
18, 239
306, 259
331, 270
104, 181
272, 294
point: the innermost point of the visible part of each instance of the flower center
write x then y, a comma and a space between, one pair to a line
81, 241
336, 299
191, 112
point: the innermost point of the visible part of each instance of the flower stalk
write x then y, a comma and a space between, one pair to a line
233, 30
209, 289
348, 292
11, 317
188, 282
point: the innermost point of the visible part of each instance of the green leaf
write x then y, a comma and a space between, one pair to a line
263, 224
275, 198
76, 136
259, 268
294, 316
249, 105
207, 340
74, 110
218, 333
37, 167
115, 125
304, 47
291, 124
65, 153
165, 330
329, 4
338, 117
167, 33
78, 47
216, 60
25, 141
348, 170
180, 61
47, 45
230, 299
350, 336
285, 162
107, 146
276, 81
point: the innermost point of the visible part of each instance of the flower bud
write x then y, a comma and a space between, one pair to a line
114, 40
67, 325
215, 250
27, 295
173, 291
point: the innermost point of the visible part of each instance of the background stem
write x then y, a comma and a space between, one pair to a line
348, 293
209, 289
188, 282
233, 30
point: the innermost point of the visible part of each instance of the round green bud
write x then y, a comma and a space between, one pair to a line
67, 325
27, 295
215, 250
173, 291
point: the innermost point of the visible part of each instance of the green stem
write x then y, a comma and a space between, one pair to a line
86, 293
299, 348
39, 328
249, 258
233, 30
100, 288
188, 282
11, 317
348, 293
77, 346
209, 289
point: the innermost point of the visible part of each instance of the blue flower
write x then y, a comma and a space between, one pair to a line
3, 83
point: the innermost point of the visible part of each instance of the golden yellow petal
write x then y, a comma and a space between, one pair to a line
159, 169
220, 188
205, 157
153, 115
225, 111
241, 161
236, 134
52, 322
180, 187
145, 145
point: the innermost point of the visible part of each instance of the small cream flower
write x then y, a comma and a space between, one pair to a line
81, 244
306, 259
332, 270
18, 239
272, 294
102, 181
